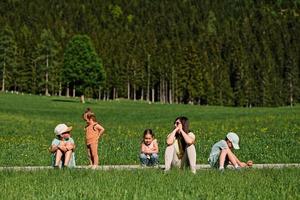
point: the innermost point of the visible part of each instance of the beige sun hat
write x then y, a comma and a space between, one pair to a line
62, 128
234, 139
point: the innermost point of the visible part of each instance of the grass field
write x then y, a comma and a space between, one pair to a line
268, 135
151, 184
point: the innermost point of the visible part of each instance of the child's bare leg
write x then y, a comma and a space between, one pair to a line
94, 154
231, 157
58, 156
68, 155
89, 154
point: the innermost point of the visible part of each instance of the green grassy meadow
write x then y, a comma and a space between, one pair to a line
151, 184
268, 135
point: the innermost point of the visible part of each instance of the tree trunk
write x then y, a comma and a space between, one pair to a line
153, 96
99, 93
291, 94
160, 90
142, 94
74, 90
104, 95
134, 92
68, 91
134, 86
15, 84
166, 92
172, 90
128, 89
47, 77
34, 78
148, 79
108, 94
3, 78
114, 93
82, 99
170, 96
59, 90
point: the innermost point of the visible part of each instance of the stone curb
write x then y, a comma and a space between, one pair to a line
128, 167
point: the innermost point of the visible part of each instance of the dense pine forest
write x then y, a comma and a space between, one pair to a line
229, 52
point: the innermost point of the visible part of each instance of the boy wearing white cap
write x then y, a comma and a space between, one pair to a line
221, 153
62, 147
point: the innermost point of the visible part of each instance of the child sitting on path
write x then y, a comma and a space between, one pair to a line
93, 131
149, 149
62, 147
221, 154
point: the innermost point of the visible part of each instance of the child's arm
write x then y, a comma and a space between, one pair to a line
100, 129
70, 146
240, 163
62, 146
155, 147
53, 148
144, 149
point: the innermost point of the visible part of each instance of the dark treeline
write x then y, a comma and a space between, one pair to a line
229, 52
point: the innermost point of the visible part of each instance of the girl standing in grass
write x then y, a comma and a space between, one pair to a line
181, 149
93, 131
149, 149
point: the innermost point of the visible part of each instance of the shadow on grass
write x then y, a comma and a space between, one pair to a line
66, 100
69, 101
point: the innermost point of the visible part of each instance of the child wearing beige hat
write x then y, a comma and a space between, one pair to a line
62, 147
222, 154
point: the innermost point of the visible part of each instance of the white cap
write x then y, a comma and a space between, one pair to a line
234, 139
62, 128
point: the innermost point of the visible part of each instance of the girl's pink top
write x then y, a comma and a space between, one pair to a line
153, 147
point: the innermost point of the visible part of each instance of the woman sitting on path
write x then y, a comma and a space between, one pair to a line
181, 149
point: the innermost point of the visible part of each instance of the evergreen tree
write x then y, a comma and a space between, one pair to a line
242, 53
82, 66
47, 51
8, 49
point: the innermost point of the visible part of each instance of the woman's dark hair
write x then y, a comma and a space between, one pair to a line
148, 131
185, 127
185, 123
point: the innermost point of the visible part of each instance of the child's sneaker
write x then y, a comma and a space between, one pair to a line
94, 167
56, 167
238, 168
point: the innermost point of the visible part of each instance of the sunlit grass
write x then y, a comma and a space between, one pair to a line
151, 184
268, 135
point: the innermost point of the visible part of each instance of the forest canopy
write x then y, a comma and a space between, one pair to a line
231, 52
